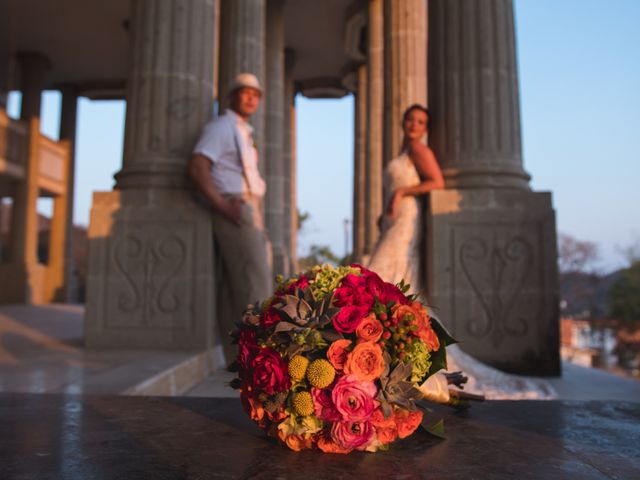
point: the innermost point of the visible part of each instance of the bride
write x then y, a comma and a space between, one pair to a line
396, 256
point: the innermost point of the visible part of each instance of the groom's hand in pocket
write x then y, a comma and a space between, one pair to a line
233, 211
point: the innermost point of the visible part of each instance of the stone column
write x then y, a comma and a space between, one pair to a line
491, 255
68, 126
242, 49
27, 273
289, 154
360, 165
33, 67
274, 140
151, 278
375, 124
405, 66
473, 94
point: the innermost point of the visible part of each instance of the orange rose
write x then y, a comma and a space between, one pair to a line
425, 332
297, 442
252, 406
369, 329
386, 428
337, 353
365, 362
400, 312
407, 421
327, 445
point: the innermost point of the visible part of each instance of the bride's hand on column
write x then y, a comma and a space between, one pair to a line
395, 201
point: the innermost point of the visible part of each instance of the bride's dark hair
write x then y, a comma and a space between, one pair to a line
416, 106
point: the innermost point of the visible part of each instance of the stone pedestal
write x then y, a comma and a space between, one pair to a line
492, 276
151, 280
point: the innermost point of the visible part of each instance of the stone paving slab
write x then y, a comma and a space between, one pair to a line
104, 437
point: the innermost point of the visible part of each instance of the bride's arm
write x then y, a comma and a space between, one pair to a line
430, 173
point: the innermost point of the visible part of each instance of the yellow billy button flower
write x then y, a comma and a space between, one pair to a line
321, 373
298, 367
303, 403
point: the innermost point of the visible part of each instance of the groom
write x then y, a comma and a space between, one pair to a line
224, 169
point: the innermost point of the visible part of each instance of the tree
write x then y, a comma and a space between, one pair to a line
624, 295
576, 255
318, 255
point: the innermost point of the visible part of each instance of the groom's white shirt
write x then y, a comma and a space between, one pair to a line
227, 141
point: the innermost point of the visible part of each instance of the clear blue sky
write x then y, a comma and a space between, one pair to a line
580, 106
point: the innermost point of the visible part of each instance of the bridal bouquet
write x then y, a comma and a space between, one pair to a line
336, 360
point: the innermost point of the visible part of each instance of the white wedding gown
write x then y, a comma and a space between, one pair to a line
396, 256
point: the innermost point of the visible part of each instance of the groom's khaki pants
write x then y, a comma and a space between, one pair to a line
245, 277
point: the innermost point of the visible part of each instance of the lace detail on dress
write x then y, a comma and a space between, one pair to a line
396, 255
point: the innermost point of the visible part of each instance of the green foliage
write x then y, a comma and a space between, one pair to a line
624, 295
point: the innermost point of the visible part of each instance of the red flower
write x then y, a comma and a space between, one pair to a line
247, 347
353, 291
301, 283
385, 292
348, 318
270, 372
270, 317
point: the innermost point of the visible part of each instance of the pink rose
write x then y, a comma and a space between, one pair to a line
353, 291
270, 372
323, 405
352, 435
354, 399
348, 318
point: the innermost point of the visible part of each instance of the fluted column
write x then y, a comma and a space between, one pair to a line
375, 123
405, 65
26, 275
169, 90
274, 140
242, 49
68, 124
360, 165
473, 92
289, 155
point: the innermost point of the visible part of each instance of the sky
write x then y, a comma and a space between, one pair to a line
578, 66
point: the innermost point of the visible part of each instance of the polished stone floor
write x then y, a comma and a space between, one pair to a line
107, 437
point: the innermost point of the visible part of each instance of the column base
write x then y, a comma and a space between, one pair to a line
492, 276
151, 273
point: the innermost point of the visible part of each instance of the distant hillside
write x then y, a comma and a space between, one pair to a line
584, 295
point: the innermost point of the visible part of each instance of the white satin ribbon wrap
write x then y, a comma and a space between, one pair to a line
435, 389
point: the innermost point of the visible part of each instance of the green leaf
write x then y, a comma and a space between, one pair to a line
438, 360
433, 423
285, 327
444, 336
